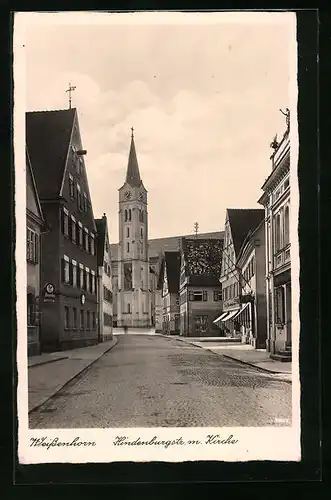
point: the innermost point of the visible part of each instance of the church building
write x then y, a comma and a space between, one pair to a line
133, 308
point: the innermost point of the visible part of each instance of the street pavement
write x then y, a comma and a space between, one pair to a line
156, 381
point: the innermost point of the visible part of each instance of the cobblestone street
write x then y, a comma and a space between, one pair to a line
153, 381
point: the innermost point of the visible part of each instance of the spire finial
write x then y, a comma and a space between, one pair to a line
70, 89
132, 130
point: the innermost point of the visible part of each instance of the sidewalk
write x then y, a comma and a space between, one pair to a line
48, 373
259, 358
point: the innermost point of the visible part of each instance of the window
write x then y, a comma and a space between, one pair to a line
79, 198
31, 316
128, 247
65, 269
73, 229
107, 319
201, 323
93, 321
74, 318
88, 320
92, 244
71, 187
129, 308
177, 301
81, 319
93, 282
107, 295
286, 225
141, 247
198, 296
277, 233
32, 246
127, 232
66, 317
86, 242
141, 232
125, 215
85, 202
65, 222
74, 272
80, 233
87, 279
81, 276
217, 295
279, 305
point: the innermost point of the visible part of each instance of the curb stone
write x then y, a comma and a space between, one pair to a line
80, 372
48, 361
265, 370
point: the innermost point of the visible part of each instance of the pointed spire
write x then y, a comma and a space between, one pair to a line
132, 173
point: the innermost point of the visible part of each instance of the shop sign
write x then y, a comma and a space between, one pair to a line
235, 301
49, 293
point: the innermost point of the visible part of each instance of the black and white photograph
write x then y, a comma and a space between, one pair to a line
157, 250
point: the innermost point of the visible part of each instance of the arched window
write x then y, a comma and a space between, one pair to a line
31, 308
287, 225
129, 213
125, 215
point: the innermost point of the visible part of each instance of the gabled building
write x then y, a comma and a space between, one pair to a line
104, 281
68, 299
276, 199
250, 261
238, 224
168, 284
199, 287
34, 227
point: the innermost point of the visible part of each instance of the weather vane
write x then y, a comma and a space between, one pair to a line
196, 228
132, 130
70, 89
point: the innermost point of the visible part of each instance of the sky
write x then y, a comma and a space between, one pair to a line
204, 100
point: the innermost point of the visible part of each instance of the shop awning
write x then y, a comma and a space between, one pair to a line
243, 307
220, 318
231, 315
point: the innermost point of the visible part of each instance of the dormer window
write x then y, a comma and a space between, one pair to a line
71, 187
79, 198
85, 202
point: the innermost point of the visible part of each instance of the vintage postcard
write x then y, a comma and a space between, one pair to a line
157, 248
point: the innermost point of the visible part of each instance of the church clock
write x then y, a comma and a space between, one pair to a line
141, 196
127, 195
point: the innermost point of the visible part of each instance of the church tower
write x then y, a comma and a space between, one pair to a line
134, 301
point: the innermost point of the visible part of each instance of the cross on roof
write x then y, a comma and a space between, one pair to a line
70, 89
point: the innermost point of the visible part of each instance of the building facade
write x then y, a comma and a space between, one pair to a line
276, 201
238, 224
251, 265
168, 284
104, 281
68, 301
133, 273
200, 292
34, 226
